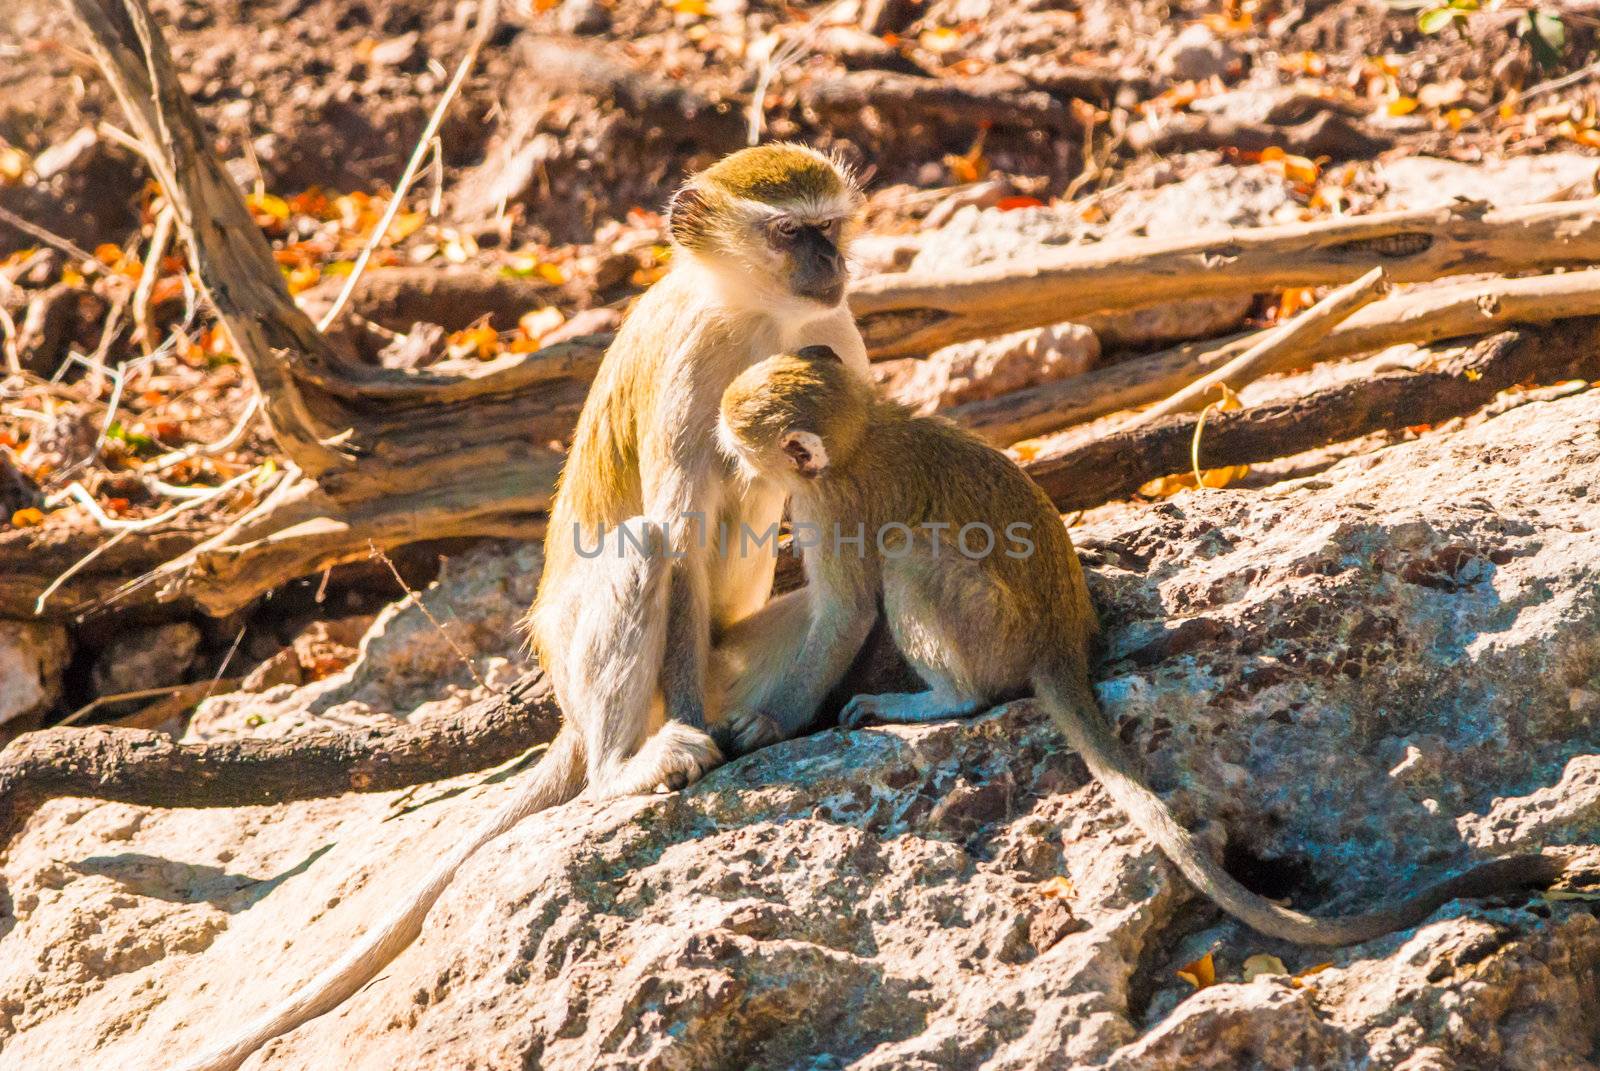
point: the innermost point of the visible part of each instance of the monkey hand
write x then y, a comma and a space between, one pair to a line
743, 731
861, 710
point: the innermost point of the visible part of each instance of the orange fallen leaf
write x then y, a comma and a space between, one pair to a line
1057, 888
940, 39
1011, 204
1402, 105
27, 517
1201, 973
1298, 980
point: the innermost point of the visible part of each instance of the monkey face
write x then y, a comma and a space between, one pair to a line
812, 263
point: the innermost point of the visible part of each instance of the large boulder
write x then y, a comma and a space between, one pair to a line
1365, 679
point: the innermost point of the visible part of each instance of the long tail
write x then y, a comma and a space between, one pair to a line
1067, 696
557, 778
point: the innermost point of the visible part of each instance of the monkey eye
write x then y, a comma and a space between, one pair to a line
783, 229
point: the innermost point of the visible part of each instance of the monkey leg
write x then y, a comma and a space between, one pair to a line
745, 657
613, 630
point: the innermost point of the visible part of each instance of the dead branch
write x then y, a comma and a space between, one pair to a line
1278, 349
1327, 134
998, 100
1115, 465
151, 769
908, 314
389, 456
571, 65
1421, 317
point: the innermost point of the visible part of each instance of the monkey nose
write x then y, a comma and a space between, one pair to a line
818, 353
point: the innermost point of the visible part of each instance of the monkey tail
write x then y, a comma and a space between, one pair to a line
1067, 696
556, 779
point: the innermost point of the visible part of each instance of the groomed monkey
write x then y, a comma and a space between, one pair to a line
983, 594
759, 243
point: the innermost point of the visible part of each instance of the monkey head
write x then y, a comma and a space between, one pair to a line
776, 217
794, 417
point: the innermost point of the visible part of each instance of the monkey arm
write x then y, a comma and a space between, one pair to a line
681, 489
789, 671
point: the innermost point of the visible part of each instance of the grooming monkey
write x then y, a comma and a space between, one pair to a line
908, 508
624, 635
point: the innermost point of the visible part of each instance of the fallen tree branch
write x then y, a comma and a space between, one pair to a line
905, 314
1327, 134
1422, 317
997, 100
1277, 349
1115, 465
387, 455
151, 769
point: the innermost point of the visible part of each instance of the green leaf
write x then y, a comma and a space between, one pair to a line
1436, 19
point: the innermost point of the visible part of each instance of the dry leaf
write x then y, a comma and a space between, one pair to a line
1263, 965
14, 163
27, 518
1402, 105
1201, 973
1057, 888
1299, 978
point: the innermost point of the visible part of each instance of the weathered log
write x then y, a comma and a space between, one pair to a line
1327, 134
907, 314
1422, 317
387, 455
151, 769
1115, 465
997, 100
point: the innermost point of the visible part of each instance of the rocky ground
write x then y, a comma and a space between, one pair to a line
1366, 678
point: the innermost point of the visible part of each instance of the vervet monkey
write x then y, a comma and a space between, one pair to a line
983, 594
758, 266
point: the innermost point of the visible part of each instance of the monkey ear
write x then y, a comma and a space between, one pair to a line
818, 353
685, 214
805, 450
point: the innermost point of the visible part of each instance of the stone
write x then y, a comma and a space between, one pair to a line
984, 368
33, 655
883, 898
146, 658
1197, 54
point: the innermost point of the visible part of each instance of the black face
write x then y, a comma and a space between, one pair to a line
816, 270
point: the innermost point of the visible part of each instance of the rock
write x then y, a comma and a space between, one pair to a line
983, 368
876, 899
1421, 181
1211, 199
146, 658
1196, 54
32, 658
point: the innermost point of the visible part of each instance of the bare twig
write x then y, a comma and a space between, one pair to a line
33, 230
416, 600
159, 239
488, 18
1277, 349
126, 528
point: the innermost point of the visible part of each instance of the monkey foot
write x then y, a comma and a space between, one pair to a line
743, 731
686, 755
